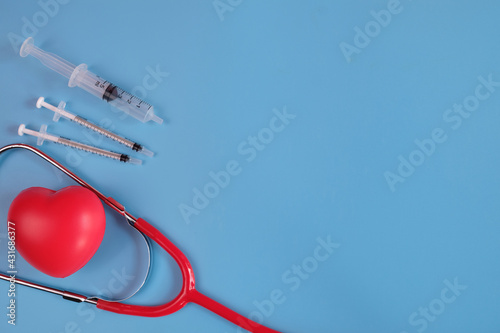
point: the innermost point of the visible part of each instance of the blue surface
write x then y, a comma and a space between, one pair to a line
413, 248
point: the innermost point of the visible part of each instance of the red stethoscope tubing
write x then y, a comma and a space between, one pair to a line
187, 294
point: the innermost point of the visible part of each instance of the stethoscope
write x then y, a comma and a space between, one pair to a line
188, 293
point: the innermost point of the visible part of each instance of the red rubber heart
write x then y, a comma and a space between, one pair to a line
57, 232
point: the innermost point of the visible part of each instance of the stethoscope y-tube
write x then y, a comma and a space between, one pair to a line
188, 293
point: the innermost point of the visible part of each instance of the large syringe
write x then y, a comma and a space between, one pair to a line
79, 76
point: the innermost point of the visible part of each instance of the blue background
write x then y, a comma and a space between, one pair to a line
323, 176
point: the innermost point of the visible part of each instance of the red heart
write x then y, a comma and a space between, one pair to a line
57, 232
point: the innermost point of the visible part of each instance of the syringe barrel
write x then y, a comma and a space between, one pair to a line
132, 105
88, 81
79, 76
50, 60
112, 94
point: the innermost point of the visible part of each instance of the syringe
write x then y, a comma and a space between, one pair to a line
88, 81
60, 111
43, 135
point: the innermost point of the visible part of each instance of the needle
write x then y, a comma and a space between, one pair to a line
43, 135
60, 111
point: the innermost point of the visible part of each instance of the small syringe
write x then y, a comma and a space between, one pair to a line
88, 81
60, 111
43, 135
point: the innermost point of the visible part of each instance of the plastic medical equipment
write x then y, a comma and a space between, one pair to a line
60, 111
79, 76
188, 293
43, 135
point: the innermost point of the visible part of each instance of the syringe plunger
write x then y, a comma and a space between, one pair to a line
88, 81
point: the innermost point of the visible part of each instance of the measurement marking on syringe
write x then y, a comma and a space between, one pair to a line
43, 135
80, 76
